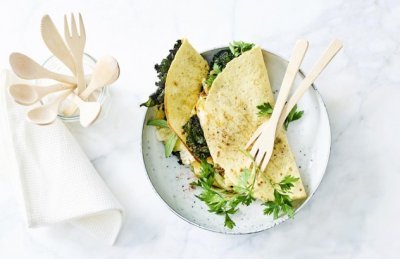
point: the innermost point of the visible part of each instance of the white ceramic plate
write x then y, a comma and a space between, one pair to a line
310, 140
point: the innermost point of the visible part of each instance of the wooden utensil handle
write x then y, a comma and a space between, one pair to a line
320, 65
291, 71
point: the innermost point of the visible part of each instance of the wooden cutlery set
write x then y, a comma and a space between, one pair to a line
75, 87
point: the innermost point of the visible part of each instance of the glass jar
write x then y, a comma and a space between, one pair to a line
101, 95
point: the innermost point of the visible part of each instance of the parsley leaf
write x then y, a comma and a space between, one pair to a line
238, 47
282, 203
222, 202
158, 123
287, 183
265, 109
292, 116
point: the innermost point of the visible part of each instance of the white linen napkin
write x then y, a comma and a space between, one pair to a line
57, 181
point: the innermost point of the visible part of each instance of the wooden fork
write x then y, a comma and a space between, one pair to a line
76, 43
262, 138
265, 143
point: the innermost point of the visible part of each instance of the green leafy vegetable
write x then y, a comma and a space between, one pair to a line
162, 69
292, 116
282, 203
287, 183
195, 139
223, 57
238, 47
171, 141
158, 123
265, 109
170, 144
213, 74
222, 202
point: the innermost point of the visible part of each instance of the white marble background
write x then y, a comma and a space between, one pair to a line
355, 212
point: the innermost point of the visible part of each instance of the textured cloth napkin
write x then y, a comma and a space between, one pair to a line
57, 181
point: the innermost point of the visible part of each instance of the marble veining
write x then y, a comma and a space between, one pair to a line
354, 213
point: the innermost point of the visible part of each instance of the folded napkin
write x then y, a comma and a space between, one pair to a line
57, 181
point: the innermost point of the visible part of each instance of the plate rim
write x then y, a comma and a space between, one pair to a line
276, 222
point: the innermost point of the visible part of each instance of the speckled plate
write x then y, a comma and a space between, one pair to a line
310, 140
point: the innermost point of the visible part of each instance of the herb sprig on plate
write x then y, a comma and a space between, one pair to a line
282, 203
266, 109
222, 202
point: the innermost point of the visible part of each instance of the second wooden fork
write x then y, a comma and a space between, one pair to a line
76, 43
264, 137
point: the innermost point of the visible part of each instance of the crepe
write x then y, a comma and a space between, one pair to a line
228, 116
183, 86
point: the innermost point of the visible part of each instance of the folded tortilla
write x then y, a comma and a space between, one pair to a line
228, 116
183, 86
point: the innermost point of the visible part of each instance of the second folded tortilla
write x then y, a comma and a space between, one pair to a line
229, 117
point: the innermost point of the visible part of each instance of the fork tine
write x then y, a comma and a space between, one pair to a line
67, 35
254, 150
267, 158
82, 31
255, 136
259, 159
73, 26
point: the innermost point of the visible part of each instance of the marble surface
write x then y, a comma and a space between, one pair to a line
355, 212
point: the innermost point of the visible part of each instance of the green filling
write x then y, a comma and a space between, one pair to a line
157, 97
195, 139
223, 57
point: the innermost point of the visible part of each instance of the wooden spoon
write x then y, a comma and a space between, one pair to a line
89, 111
25, 94
27, 68
46, 114
105, 72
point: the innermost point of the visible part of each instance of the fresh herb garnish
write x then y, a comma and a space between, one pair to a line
292, 116
223, 57
162, 69
266, 109
171, 141
195, 139
283, 203
222, 202
158, 123
238, 47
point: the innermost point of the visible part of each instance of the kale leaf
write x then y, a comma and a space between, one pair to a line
195, 139
162, 70
224, 56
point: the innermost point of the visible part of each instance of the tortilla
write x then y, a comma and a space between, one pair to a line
229, 117
182, 87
